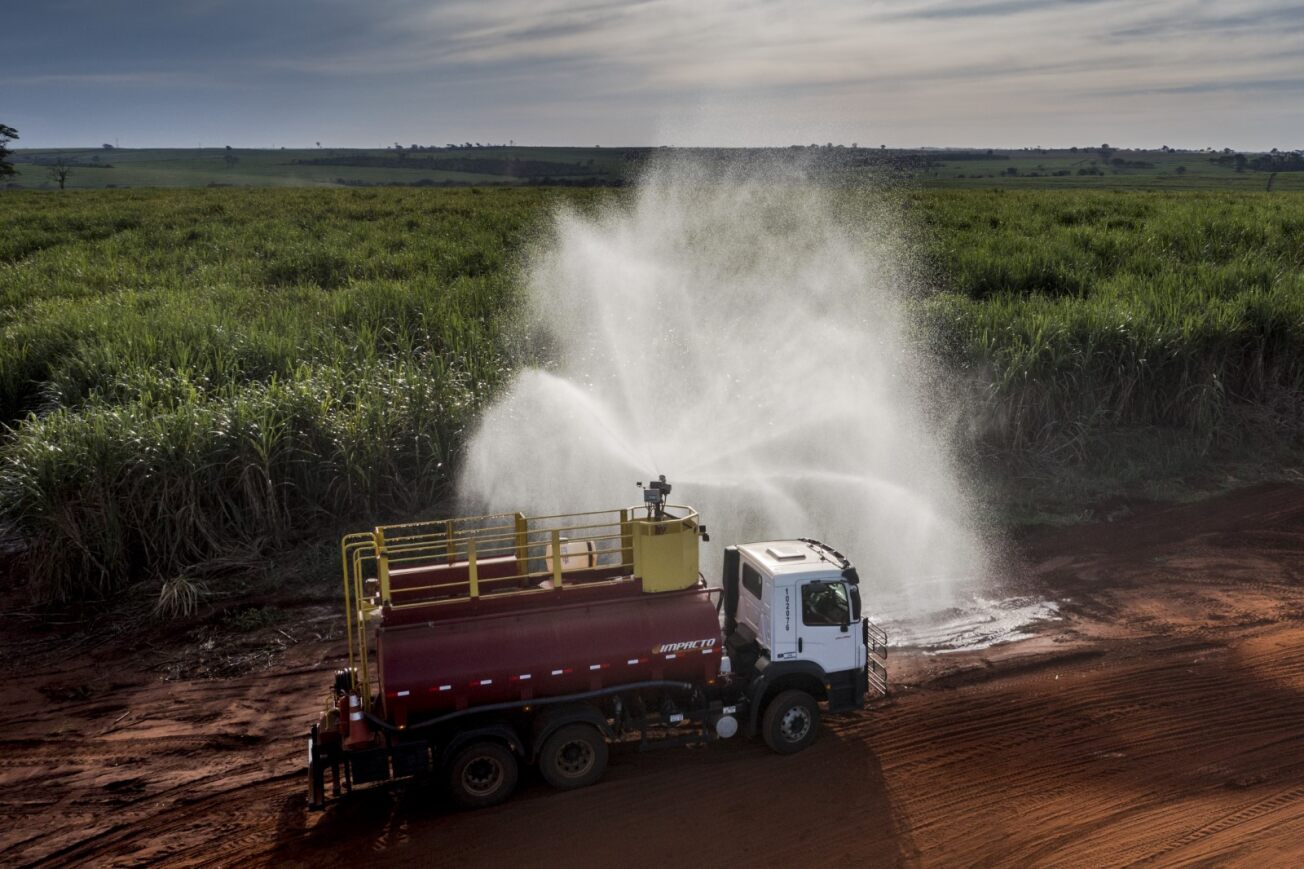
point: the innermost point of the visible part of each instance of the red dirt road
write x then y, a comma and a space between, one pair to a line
1162, 721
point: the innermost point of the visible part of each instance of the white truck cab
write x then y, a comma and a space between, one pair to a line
799, 605
792, 614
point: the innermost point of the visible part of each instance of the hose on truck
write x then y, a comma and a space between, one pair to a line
381, 724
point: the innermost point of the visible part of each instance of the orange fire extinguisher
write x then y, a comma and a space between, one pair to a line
358, 733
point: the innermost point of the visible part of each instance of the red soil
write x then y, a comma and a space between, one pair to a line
1160, 721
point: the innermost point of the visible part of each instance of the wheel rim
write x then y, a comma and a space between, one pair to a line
795, 724
575, 758
482, 776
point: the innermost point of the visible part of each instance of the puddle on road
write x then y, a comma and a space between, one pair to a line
974, 622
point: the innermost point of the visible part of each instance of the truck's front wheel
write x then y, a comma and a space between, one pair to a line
790, 722
574, 756
482, 774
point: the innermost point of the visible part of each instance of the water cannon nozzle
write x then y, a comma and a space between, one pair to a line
654, 495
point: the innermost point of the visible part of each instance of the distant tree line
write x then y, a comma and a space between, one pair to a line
81, 161
957, 156
509, 166
545, 181
450, 146
1275, 161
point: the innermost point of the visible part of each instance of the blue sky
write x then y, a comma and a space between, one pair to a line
1185, 73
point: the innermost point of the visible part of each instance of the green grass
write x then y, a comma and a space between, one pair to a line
192, 375
1087, 309
196, 378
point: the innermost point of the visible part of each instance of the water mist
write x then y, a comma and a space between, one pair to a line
741, 332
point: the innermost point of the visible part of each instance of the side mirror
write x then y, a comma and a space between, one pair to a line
845, 627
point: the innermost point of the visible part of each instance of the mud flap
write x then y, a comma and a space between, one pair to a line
316, 773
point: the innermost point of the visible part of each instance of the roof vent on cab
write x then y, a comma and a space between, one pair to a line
786, 553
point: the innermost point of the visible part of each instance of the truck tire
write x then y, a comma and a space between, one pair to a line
482, 774
790, 722
573, 757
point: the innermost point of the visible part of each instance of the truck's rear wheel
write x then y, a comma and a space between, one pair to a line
790, 722
482, 774
574, 756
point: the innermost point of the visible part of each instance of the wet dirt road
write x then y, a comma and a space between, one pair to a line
1158, 722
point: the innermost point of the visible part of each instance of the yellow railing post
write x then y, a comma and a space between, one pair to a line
363, 685
556, 558
626, 539
382, 566
348, 599
522, 544
472, 573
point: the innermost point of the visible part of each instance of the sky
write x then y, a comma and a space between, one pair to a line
904, 73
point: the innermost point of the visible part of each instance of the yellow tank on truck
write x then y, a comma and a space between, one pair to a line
665, 551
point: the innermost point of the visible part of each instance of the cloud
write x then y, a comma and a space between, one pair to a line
1252, 86
107, 79
906, 67
764, 45
990, 9
1258, 19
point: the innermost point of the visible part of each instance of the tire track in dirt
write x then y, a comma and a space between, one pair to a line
235, 808
1230, 822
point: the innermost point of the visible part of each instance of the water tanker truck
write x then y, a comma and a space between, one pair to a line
479, 645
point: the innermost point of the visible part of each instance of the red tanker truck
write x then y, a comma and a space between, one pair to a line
478, 645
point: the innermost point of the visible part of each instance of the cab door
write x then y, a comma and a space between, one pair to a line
770, 610
825, 633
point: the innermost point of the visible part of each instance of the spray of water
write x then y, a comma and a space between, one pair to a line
741, 332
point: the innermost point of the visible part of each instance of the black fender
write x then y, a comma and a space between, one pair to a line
494, 732
550, 721
729, 582
779, 676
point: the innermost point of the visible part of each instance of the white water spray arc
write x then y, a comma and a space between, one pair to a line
740, 332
